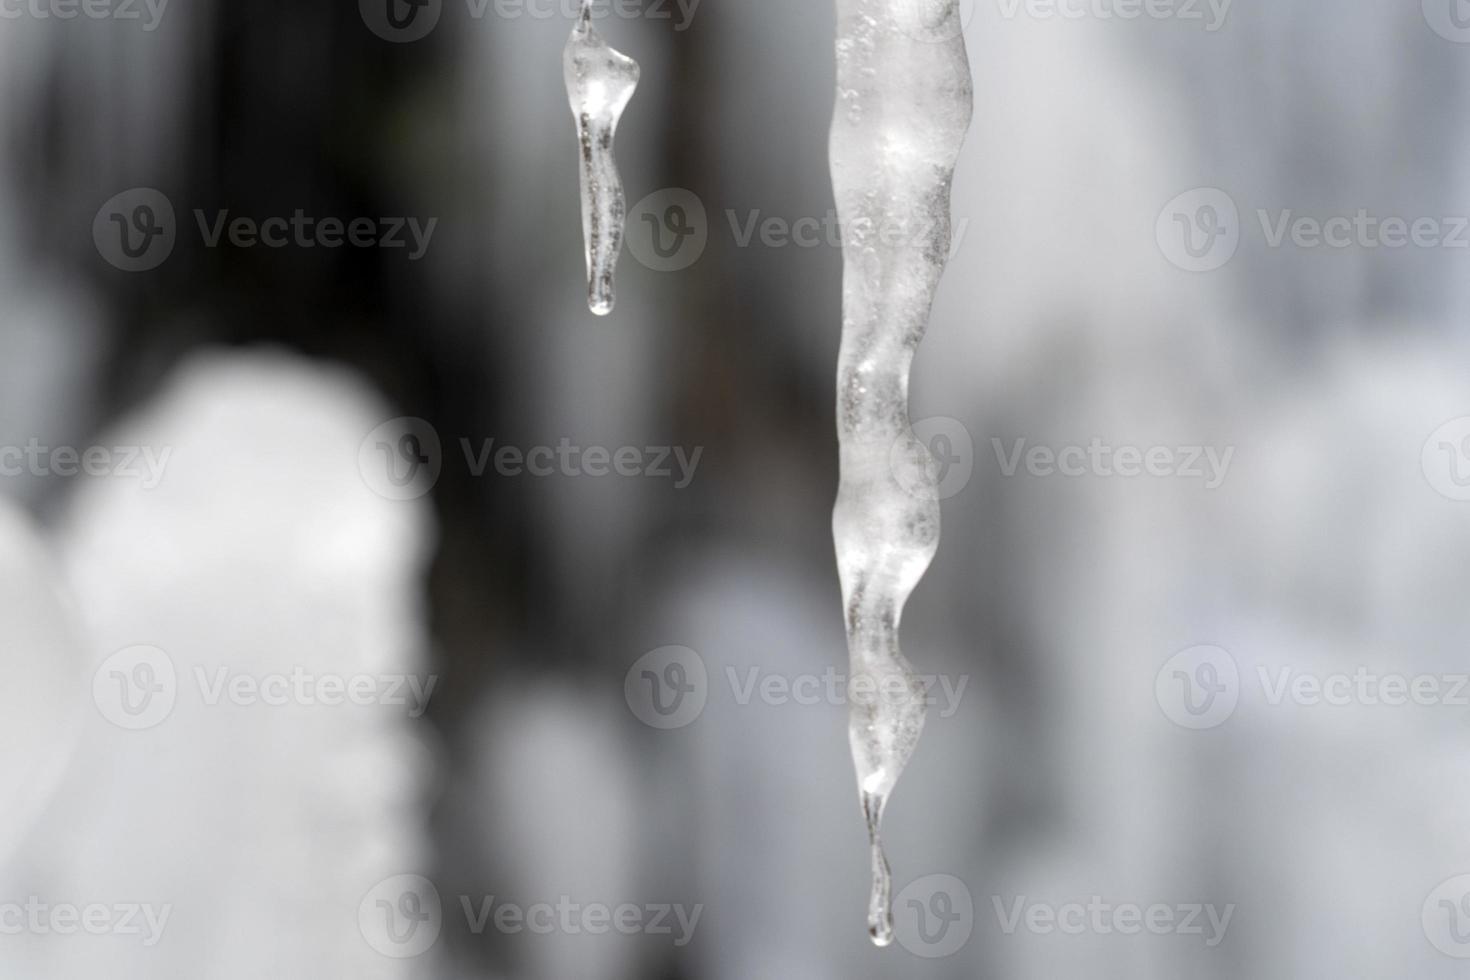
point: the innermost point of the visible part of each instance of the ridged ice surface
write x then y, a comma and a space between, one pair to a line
600, 81
904, 100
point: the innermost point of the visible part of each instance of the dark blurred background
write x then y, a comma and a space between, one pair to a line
1327, 382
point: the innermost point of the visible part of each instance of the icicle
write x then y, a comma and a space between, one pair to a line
904, 100
600, 81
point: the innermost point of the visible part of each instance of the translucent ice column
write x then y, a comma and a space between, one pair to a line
600, 81
904, 100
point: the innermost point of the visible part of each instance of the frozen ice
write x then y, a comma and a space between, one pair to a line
904, 101
600, 81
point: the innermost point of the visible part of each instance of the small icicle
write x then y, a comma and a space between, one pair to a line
600, 81
904, 101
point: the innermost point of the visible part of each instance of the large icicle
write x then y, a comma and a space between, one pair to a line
600, 81
904, 100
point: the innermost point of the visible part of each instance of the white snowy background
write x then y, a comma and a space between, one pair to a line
1060, 777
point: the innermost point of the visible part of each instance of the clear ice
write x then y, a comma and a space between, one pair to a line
600, 81
904, 101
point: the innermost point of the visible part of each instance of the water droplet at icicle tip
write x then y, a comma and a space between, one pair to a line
600, 82
903, 107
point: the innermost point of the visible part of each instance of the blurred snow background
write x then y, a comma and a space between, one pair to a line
1059, 777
